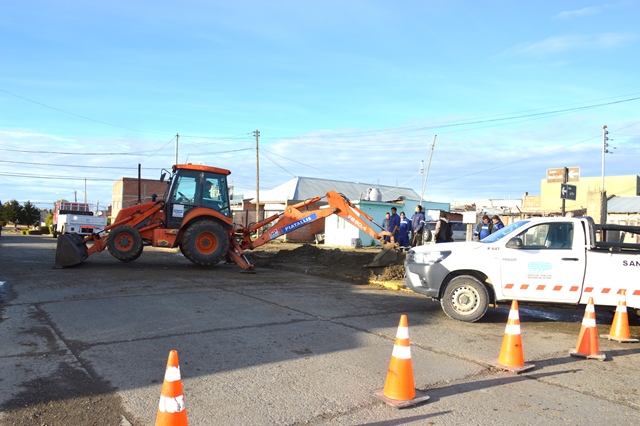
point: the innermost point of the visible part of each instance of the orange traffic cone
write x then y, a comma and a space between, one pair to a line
399, 389
511, 356
171, 410
587, 346
620, 326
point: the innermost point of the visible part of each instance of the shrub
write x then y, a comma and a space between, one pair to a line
44, 230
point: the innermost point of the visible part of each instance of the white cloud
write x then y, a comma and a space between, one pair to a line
585, 11
567, 43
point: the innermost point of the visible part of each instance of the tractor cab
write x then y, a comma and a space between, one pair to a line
194, 186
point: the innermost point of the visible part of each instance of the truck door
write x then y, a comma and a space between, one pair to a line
548, 266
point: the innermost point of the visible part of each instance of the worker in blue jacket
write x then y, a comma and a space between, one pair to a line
483, 229
394, 224
403, 232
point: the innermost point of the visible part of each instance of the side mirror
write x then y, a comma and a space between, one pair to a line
162, 176
514, 243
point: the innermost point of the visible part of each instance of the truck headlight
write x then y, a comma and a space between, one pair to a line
428, 258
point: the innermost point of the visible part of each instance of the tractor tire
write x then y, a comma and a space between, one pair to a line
205, 242
125, 243
465, 299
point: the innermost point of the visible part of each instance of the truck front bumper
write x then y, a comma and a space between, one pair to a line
425, 279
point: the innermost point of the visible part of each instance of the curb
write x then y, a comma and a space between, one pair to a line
390, 285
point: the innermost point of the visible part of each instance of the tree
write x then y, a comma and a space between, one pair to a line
29, 214
11, 211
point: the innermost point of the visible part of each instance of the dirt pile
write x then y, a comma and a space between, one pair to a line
327, 262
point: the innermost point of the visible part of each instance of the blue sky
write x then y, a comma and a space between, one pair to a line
352, 90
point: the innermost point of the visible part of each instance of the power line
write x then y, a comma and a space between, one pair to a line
76, 115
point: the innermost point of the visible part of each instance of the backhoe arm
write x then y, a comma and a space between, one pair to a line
295, 217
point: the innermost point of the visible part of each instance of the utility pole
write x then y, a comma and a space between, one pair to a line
422, 179
85, 190
424, 185
605, 150
565, 175
176, 161
257, 135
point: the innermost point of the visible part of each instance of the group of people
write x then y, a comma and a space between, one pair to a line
487, 227
402, 228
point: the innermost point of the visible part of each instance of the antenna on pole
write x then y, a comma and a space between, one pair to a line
424, 184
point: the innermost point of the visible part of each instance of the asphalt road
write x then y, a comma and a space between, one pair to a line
278, 347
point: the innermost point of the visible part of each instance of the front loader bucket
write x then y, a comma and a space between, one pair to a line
70, 251
387, 257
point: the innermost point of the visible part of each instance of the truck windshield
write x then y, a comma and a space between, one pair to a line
496, 236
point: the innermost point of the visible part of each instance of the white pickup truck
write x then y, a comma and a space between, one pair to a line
76, 218
554, 260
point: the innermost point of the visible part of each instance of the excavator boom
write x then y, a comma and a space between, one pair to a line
298, 215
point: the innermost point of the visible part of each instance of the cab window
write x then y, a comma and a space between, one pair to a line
548, 236
215, 193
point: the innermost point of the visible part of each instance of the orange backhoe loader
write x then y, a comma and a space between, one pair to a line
195, 215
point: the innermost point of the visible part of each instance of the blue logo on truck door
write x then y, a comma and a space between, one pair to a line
539, 270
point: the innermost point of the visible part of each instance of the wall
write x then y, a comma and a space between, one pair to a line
620, 186
340, 233
125, 192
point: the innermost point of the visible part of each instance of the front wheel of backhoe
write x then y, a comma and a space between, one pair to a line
124, 243
205, 242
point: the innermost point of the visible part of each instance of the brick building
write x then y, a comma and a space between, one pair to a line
125, 192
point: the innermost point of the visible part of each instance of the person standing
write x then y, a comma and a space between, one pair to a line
394, 224
443, 232
403, 232
497, 224
385, 227
417, 226
483, 229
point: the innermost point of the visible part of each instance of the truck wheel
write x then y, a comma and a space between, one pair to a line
125, 243
465, 299
205, 242
55, 233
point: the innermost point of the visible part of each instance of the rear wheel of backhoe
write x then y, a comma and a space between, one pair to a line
205, 242
125, 243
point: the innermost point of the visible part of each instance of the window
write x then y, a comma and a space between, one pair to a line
548, 236
215, 194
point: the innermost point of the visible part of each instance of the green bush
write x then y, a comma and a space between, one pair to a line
44, 230
24, 232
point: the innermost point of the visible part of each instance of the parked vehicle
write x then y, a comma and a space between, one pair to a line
459, 230
552, 260
76, 218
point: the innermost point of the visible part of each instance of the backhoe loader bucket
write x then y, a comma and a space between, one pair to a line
70, 251
387, 257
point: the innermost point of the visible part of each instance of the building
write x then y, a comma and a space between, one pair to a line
586, 189
303, 188
340, 233
125, 193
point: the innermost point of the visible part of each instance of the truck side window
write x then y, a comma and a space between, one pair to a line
548, 236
